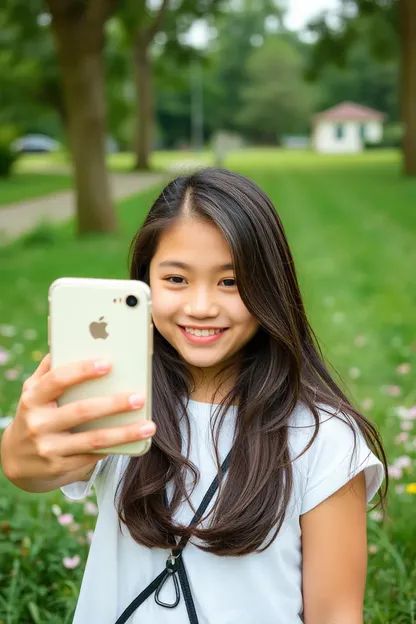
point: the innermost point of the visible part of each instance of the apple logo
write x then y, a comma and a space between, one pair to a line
99, 330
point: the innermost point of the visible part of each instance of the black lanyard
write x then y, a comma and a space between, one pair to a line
175, 565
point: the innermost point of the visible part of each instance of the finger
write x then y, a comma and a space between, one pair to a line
79, 412
44, 367
88, 441
54, 382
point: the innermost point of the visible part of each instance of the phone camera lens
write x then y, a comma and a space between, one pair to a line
132, 301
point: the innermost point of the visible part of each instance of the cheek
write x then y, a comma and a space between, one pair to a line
163, 305
241, 316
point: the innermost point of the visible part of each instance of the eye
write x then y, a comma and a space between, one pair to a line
229, 282
175, 279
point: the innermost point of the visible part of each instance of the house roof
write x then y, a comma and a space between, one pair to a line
348, 111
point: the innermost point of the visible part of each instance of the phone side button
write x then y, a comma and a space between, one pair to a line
151, 338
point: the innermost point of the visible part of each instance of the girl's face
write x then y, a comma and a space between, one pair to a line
196, 304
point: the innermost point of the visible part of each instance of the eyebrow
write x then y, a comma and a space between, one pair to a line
187, 267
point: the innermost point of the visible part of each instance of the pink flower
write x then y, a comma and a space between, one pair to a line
412, 412
367, 404
90, 535
90, 508
402, 437
372, 549
393, 390
403, 462
74, 527
71, 562
399, 489
395, 472
4, 356
403, 369
11, 374
65, 519
406, 425
403, 413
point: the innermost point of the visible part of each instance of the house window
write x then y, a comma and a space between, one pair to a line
339, 131
362, 132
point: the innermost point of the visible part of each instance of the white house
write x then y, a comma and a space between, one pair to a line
344, 128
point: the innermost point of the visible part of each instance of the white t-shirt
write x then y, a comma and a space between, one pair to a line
261, 587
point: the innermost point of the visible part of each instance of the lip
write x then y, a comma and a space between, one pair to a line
201, 340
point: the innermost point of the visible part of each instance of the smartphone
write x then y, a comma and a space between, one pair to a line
105, 319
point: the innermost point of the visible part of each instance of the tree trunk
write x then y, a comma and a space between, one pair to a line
145, 115
80, 40
408, 70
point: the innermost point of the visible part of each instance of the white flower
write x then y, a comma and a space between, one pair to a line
56, 510
354, 372
8, 330
71, 562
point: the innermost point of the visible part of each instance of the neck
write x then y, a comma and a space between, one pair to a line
212, 385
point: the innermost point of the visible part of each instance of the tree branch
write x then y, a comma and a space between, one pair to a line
147, 35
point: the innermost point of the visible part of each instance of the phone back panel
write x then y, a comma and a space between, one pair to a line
89, 319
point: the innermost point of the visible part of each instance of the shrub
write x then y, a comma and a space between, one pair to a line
7, 159
392, 138
7, 155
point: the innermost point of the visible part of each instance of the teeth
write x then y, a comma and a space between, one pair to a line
202, 332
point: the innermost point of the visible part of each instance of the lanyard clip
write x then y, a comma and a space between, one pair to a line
171, 569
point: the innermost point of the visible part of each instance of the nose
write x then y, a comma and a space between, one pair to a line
201, 304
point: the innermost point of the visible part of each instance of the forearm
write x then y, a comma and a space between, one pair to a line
336, 617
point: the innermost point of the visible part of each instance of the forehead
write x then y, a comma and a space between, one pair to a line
193, 241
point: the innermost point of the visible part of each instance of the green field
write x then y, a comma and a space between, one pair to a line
25, 186
351, 222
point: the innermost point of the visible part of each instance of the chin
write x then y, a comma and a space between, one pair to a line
201, 360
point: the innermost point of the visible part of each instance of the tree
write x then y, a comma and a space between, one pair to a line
240, 29
30, 91
277, 99
78, 28
390, 27
363, 79
142, 24
407, 21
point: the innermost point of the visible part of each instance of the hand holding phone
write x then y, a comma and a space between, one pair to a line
105, 319
38, 451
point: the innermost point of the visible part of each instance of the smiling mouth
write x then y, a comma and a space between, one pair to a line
194, 331
202, 336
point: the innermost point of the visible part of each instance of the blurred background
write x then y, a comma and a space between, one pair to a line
102, 102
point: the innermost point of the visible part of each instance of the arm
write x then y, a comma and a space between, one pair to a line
334, 546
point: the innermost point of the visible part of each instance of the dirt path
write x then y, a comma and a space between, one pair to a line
21, 217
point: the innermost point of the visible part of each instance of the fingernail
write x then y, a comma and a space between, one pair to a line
136, 400
147, 430
102, 366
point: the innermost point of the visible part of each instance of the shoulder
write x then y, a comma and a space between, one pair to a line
336, 454
328, 425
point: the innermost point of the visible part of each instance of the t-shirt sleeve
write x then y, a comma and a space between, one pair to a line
332, 461
81, 489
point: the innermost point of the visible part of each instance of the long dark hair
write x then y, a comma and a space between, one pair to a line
281, 366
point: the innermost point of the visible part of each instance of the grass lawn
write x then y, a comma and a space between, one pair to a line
351, 222
25, 186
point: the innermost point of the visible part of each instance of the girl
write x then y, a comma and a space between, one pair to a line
249, 423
